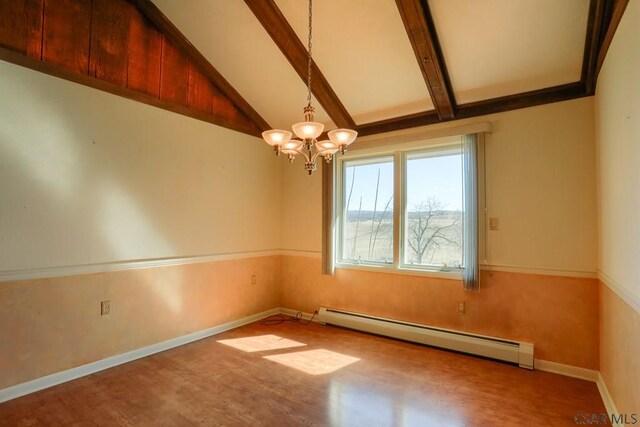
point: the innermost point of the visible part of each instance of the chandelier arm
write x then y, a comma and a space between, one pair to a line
315, 156
304, 154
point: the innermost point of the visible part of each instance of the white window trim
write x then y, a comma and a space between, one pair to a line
400, 152
451, 275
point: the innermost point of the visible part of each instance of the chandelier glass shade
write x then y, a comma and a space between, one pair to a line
308, 132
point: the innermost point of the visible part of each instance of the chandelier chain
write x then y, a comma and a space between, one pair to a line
307, 143
310, 44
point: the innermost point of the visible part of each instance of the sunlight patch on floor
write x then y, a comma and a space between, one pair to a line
314, 362
261, 343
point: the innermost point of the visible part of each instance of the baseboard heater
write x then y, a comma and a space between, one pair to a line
480, 345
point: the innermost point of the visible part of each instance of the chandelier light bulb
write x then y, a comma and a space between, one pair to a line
308, 130
326, 148
276, 137
342, 136
291, 147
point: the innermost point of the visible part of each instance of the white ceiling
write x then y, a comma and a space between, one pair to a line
494, 48
365, 55
491, 48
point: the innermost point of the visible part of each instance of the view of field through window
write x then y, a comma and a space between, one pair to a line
368, 211
433, 217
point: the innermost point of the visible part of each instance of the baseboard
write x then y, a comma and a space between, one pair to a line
100, 365
583, 374
606, 398
567, 370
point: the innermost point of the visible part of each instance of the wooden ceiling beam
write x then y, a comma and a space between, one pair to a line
480, 108
422, 34
163, 23
517, 101
604, 17
119, 90
595, 24
618, 8
276, 25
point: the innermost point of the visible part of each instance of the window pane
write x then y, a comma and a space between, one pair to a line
433, 219
367, 220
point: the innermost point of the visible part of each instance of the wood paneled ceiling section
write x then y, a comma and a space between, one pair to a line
110, 45
378, 65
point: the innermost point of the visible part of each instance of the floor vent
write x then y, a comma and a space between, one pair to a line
495, 348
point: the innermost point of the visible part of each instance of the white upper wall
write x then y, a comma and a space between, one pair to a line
540, 184
618, 136
89, 177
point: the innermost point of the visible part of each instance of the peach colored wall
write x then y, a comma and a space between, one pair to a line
50, 325
558, 314
619, 350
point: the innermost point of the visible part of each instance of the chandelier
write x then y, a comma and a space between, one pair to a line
309, 131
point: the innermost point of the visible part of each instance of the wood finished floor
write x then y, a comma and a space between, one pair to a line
331, 377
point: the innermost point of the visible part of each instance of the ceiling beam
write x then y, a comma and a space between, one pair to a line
290, 45
422, 34
120, 90
619, 6
595, 24
163, 23
517, 101
480, 108
604, 17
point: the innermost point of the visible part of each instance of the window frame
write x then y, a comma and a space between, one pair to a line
400, 154
339, 204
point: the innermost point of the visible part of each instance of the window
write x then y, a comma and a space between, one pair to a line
367, 220
433, 209
402, 209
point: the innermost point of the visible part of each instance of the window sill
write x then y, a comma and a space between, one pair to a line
451, 275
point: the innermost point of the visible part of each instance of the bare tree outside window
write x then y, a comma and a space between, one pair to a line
433, 227
433, 235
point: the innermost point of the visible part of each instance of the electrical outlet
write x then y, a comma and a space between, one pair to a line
461, 306
105, 308
253, 279
494, 224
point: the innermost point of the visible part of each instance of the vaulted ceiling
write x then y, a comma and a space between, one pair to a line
372, 54
379, 65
